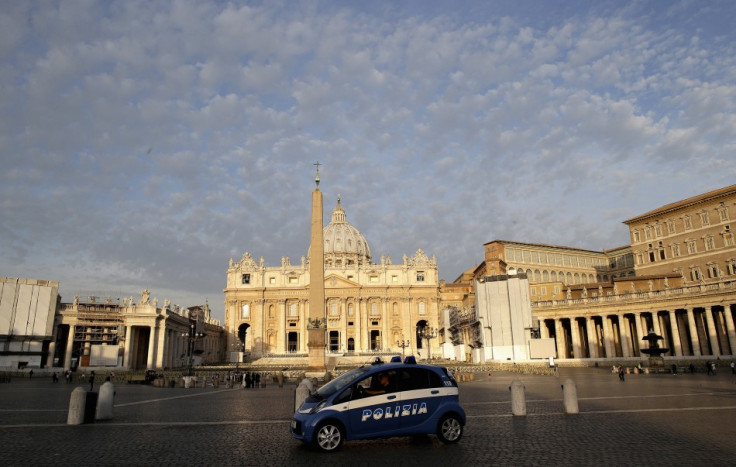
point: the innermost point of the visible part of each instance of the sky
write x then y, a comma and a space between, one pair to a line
144, 144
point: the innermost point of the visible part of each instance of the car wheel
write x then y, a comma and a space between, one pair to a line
328, 437
450, 429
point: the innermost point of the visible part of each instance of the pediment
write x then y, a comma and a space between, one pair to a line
334, 281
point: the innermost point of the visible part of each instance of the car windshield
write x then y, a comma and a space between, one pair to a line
342, 380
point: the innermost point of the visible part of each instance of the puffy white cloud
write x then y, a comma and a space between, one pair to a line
185, 133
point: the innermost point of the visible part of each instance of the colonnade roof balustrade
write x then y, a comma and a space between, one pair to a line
692, 291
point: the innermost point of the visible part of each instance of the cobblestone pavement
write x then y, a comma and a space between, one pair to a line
648, 419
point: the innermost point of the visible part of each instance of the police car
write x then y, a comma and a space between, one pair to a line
380, 401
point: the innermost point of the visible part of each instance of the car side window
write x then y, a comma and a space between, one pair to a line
415, 378
343, 396
435, 380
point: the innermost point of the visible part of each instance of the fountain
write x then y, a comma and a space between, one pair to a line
654, 351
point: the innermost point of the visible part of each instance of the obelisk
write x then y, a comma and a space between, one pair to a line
317, 322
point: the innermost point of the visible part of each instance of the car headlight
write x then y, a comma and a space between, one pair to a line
314, 409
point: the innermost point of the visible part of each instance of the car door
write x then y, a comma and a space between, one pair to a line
373, 415
421, 395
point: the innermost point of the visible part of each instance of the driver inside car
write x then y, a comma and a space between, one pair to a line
380, 384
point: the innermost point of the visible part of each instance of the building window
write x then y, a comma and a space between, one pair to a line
695, 274
709, 243
271, 280
333, 309
374, 309
692, 248
245, 312
687, 222
293, 280
712, 271
675, 248
374, 278
637, 238
658, 230
422, 308
670, 226
647, 233
731, 267
420, 276
292, 309
394, 278
723, 212
245, 279
704, 218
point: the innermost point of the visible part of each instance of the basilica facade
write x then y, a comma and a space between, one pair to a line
370, 307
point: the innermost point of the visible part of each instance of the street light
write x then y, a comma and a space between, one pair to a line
192, 336
428, 334
403, 344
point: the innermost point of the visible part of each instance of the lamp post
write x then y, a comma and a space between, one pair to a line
428, 333
403, 344
192, 337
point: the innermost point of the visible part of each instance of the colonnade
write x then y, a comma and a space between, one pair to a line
688, 330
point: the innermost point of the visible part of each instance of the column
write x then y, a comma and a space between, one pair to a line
261, 348
68, 350
543, 331
281, 335
655, 324
695, 342
639, 334
345, 318
357, 321
160, 344
151, 347
730, 328
575, 329
608, 337
712, 335
592, 338
303, 315
560, 339
625, 335
677, 344
128, 347
365, 339
385, 338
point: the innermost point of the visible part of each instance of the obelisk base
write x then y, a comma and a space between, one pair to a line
316, 360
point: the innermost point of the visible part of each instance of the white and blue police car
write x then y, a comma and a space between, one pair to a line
382, 400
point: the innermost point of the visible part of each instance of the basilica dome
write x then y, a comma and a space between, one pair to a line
344, 244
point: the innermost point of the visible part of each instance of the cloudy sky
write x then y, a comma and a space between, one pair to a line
143, 144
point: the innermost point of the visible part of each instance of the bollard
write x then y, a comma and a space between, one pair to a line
570, 397
77, 403
104, 401
302, 392
280, 378
518, 400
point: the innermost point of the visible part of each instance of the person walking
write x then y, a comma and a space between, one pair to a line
91, 380
621, 373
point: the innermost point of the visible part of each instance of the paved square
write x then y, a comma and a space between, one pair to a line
648, 419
